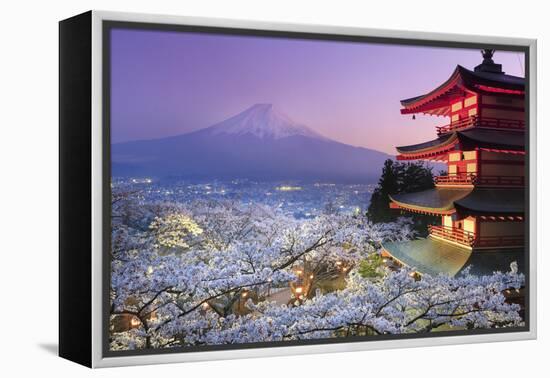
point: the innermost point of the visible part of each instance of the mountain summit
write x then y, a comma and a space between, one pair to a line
263, 121
260, 143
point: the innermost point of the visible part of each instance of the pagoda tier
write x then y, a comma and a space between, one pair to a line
471, 201
475, 224
437, 201
469, 140
475, 157
462, 84
434, 256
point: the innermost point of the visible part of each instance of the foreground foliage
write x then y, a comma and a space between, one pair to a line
203, 274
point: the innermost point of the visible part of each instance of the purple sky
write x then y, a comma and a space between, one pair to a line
169, 83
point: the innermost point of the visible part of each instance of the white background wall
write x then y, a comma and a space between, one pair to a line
28, 183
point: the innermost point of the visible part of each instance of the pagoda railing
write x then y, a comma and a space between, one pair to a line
456, 179
487, 122
483, 180
499, 241
470, 239
487, 180
454, 234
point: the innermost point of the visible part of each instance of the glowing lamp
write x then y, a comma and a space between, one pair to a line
299, 290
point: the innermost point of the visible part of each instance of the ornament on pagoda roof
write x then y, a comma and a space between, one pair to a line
488, 64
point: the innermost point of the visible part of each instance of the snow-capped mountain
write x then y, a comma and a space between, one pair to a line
259, 143
263, 121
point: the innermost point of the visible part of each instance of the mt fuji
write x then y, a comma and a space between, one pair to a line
263, 121
259, 143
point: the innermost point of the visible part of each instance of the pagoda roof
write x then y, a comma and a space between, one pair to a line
431, 201
493, 201
446, 200
438, 144
461, 82
433, 256
493, 139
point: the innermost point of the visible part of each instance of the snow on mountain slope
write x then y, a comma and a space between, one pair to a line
262, 121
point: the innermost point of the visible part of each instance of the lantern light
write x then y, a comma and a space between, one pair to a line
299, 290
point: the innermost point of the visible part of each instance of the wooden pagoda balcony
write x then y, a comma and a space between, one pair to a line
476, 121
469, 239
456, 179
456, 235
483, 180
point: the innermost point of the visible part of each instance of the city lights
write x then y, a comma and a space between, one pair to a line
287, 188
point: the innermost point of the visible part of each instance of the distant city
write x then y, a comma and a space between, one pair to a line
302, 200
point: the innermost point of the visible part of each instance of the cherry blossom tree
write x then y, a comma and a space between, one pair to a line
200, 273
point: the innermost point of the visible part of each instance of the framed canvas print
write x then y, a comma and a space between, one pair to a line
234, 189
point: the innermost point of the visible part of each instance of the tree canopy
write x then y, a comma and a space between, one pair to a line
398, 178
202, 273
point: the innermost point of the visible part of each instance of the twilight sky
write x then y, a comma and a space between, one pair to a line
169, 83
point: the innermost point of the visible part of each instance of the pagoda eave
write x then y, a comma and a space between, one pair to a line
485, 89
502, 151
420, 210
437, 201
501, 141
432, 256
438, 156
438, 108
430, 149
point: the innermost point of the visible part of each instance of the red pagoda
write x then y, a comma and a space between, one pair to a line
481, 198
